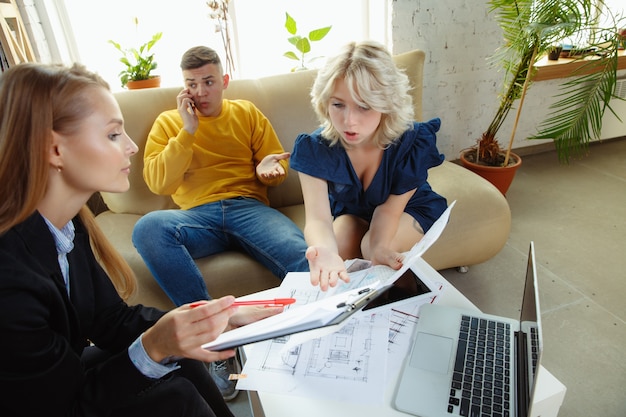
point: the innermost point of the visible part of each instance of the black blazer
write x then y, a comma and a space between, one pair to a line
44, 332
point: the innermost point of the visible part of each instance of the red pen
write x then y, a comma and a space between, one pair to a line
275, 302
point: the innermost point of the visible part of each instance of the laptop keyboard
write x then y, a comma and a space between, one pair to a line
534, 340
481, 384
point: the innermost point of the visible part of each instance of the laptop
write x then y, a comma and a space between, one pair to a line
467, 363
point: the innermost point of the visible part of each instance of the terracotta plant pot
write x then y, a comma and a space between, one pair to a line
149, 83
500, 177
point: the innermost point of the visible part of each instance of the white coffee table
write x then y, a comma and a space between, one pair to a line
548, 399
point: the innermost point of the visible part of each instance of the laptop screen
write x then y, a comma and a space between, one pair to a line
530, 323
530, 303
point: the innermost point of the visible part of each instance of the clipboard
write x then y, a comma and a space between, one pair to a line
335, 309
326, 312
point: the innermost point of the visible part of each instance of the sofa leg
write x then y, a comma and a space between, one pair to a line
462, 269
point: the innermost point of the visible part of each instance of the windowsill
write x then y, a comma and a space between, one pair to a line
566, 67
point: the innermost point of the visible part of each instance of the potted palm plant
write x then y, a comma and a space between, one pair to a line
531, 28
138, 65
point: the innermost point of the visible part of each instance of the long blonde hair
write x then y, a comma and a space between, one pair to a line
374, 81
35, 100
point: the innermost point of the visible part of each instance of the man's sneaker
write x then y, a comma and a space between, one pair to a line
220, 372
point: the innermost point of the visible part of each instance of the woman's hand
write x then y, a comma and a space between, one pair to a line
249, 314
182, 332
326, 267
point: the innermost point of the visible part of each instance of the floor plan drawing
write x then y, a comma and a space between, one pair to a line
324, 365
344, 354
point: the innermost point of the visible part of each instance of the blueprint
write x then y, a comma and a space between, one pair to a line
345, 363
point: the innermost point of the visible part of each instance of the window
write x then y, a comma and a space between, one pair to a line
260, 38
185, 23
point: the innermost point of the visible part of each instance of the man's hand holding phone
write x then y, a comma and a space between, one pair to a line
187, 110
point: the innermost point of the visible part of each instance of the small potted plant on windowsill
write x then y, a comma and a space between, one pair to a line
138, 65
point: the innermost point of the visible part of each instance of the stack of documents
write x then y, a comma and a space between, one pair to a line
328, 339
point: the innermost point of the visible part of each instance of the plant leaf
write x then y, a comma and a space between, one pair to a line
116, 45
576, 118
303, 45
319, 34
291, 55
154, 40
294, 40
290, 24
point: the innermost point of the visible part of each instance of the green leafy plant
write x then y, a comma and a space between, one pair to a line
302, 43
138, 62
531, 28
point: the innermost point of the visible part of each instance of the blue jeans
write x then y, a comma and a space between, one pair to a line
170, 240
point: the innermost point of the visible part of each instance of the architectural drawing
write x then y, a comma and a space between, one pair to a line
344, 354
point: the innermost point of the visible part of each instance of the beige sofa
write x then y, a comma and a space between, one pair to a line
478, 228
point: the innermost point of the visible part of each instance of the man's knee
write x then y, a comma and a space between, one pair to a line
139, 230
146, 228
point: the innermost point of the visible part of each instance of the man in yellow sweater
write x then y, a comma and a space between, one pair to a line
216, 158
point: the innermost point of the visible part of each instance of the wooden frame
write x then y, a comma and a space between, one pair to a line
15, 42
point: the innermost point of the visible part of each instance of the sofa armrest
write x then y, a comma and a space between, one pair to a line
479, 224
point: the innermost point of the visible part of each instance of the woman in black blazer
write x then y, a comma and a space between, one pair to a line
70, 344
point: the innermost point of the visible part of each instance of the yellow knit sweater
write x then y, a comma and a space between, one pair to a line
216, 163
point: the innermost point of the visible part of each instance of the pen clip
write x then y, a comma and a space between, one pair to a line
353, 301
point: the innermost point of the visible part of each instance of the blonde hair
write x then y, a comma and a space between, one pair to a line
35, 100
374, 81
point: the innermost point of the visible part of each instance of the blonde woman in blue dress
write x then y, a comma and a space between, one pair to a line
364, 171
